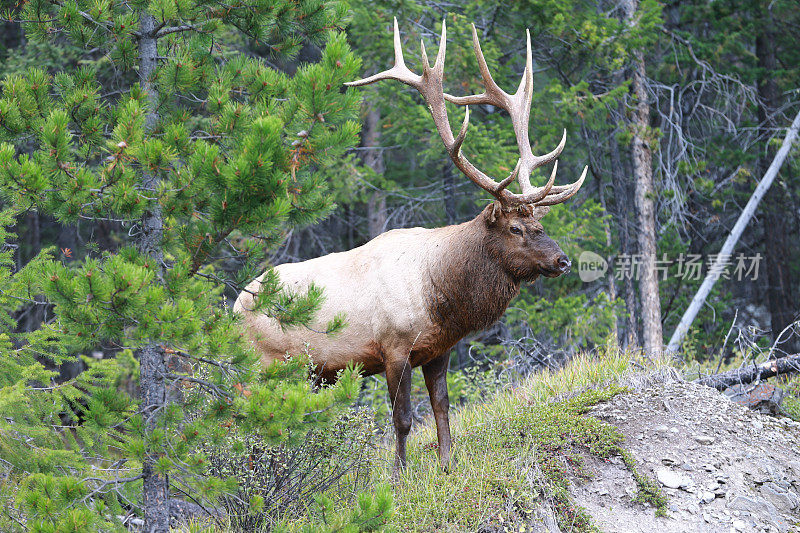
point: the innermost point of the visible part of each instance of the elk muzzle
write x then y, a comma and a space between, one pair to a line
558, 266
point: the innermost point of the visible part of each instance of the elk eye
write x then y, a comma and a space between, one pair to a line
515, 230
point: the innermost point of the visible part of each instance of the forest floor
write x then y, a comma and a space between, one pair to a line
722, 466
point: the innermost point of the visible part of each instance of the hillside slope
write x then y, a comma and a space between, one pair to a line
731, 469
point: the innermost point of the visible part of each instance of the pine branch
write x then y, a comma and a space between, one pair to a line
178, 29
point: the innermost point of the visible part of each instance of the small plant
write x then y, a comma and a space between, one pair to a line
278, 482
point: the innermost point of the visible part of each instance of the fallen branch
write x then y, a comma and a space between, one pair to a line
751, 373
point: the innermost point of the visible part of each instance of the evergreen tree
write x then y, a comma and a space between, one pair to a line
206, 155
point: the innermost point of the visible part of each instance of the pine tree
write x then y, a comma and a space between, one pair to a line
207, 157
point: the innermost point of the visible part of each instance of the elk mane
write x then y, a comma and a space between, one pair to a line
468, 288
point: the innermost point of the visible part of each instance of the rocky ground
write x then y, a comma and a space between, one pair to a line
723, 467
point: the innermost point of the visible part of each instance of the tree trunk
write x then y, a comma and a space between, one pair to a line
623, 216
376, 214
373, 158
151, 357
642, 158
351, 226
612, 285
780, 289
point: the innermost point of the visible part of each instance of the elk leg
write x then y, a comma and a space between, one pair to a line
435, 374
398, 378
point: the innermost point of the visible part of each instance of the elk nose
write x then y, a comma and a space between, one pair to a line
564, 263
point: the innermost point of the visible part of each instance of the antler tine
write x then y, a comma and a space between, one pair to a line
506, 182
569, 192
399, 71
492, 93
526, 83
462, 134
540, 160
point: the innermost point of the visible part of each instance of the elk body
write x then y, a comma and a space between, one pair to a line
410, 294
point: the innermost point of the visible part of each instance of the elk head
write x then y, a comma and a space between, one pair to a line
516, 239
515, 236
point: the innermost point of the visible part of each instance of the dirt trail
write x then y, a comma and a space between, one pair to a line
730, 469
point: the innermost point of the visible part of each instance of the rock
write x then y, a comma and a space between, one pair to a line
758, 507
758, 474
739, 502
714, 460
740, 525
784, 500
183, 512
794, 466
671, 479
764, 397
707, 497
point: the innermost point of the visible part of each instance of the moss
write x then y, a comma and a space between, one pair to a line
791, 406
791, 402
509, 460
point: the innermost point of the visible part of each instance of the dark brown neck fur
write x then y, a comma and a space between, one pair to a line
469, 289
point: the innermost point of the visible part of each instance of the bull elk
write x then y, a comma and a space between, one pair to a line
410, 294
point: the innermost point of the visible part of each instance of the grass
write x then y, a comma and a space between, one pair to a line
516, 452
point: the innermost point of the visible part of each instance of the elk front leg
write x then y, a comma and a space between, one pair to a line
398, 378
435, 374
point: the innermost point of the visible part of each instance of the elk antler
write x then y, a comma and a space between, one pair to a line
429, 85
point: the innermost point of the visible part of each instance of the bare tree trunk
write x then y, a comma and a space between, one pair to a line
151, 357
780, 298
376, 214
642, 158
373, 158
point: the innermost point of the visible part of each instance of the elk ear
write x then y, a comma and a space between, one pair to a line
492, 212
540, 211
